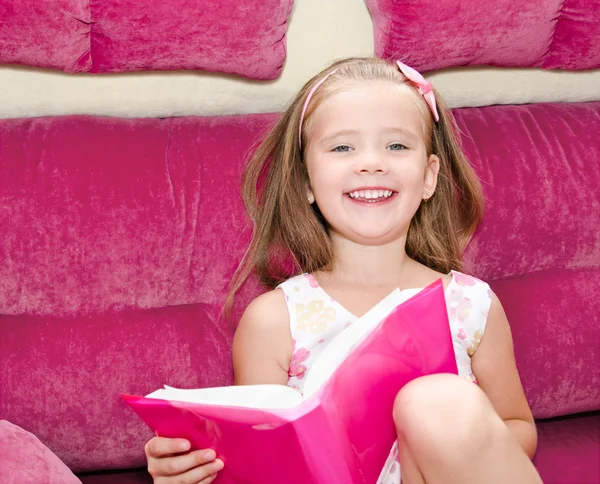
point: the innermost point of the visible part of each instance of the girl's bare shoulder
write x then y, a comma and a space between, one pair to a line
267, 312
262, 345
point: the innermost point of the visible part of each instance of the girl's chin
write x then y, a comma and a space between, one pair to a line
371, 236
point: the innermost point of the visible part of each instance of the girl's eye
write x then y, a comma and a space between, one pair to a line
342, 149
397, 147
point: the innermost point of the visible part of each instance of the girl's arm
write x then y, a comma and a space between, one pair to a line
496, 371
262, 346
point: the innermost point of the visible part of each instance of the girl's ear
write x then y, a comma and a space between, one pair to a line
431, 176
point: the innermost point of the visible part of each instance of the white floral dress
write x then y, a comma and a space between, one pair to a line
316, 318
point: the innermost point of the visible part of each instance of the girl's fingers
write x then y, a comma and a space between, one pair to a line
161, 447
201, 460
202, 474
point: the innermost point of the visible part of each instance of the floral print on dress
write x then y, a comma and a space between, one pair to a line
458, 304
314, 316
475, 342
299, 356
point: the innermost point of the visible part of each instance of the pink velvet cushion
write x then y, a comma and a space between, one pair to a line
107, 213
569, 450
576, 42
539, 165
556, 330
45, 34
62, 377
25, 460
433, 34
245, 38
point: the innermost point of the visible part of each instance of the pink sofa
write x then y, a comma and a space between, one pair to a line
118, 238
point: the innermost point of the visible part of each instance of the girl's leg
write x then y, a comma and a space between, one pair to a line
449, 433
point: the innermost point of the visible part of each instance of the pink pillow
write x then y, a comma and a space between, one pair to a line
245, 38
576, 43
25, 460
433, 34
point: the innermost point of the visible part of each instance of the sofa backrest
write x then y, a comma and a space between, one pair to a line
118, 239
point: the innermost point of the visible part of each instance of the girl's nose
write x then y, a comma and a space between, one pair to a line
371, 163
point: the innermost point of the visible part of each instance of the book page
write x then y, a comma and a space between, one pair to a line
342, 345
248, 396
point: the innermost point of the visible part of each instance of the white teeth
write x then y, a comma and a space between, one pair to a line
371, 194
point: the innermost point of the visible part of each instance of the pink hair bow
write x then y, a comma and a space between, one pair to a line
424, 87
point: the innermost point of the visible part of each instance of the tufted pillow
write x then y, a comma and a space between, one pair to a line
433, 34
245, 38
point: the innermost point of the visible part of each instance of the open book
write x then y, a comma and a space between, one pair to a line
341, 431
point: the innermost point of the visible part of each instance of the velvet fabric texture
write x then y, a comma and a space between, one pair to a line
103, 214
433, 34
554, 320
569, 449
119, 238
539, 166
62, 377
25, 460
245, 38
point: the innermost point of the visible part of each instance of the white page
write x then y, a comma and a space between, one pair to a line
249, 396
282, 396
342, 345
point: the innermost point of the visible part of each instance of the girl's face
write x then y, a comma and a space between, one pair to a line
367, 161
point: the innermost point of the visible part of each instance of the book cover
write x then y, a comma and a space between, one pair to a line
341, 431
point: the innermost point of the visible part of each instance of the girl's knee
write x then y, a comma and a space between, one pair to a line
444, 409
436, 396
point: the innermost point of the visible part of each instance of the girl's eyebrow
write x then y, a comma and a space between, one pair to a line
403, 131
336, 134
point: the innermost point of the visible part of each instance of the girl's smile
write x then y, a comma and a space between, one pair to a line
371, 195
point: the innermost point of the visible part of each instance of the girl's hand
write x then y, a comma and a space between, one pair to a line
169, 462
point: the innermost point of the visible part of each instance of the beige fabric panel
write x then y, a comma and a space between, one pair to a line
319, 33
483, 86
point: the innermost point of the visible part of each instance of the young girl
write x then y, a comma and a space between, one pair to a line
363, 184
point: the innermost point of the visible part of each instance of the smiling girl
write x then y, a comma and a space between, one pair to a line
363, 184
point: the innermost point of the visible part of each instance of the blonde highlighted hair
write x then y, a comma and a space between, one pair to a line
287, 229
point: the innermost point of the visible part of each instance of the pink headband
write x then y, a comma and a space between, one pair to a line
416, 79
424, 87
307, 100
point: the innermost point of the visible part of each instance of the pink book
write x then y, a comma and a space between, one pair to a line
341, 431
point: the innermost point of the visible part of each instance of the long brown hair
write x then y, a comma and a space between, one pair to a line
290, 236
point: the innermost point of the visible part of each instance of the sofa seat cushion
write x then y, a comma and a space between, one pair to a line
569, 450
130, 476
61, 377
25, 460
553, 316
